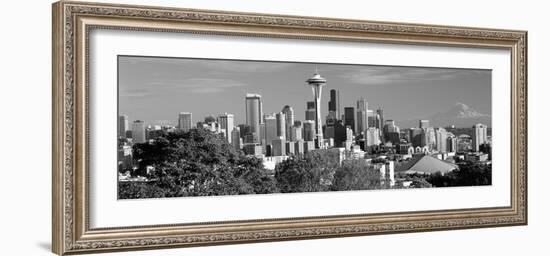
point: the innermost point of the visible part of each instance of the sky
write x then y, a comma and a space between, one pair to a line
157, 89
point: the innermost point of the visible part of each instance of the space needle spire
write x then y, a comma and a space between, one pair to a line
316, 82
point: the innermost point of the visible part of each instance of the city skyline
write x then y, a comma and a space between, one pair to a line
356, 143
157, 96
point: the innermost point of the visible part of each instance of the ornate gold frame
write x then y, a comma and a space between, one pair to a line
72, 22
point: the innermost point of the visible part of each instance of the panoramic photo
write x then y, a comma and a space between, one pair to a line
210, 127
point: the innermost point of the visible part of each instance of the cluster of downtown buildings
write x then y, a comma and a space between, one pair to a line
274, 137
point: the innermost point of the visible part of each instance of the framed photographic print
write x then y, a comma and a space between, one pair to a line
179, 127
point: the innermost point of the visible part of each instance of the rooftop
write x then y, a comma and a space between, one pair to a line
428, 165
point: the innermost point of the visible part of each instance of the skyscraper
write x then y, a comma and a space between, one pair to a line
479, 136
296, 132
340, 134
379, 121
349, 119
390, 126
281, 125
279, 147
185, 121
310, 111
289, 122
429, 137
308, 128
317, 82
372, 137
349, 138
362, 121
370, 118
122, 126
334, 103
417, 139
424, 124
441, 139
254, 114
452, 142
244, 130
236, 138
391, 132
138, 132
226, 122
270, 128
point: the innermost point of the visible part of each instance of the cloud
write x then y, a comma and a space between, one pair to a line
204, 85
191, 85
245, 66
217, 65
385, 75
137, 93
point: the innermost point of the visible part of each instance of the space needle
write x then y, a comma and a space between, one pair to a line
316, 82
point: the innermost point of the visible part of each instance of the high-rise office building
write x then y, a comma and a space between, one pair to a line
253, 149
185, 120
331, 118
424, 124
390, 126
349, 138
123, 126
310, 111
309, 146
290, 150
334, 103
391, 132
479, 136
416, 137
153, 132
317, 82
429, 137
289, 122
262, 133
328, 131
362, 121
441, 139
254, 114
349, 117
308, 128
236, 138
298, 147
270, 128
372, 137
278, 147
393, 137
296, 132
371, 118
340, 134
379, 121
244, 129
281, 125
452, 142
405, 135
138, 132
226, 122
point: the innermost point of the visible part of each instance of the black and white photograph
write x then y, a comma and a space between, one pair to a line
212, 127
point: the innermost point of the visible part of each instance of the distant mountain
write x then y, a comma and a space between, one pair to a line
460, 115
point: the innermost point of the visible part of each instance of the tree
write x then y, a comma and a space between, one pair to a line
196, 163
356, 174
136, 190
420, 183
209, 119
468, 174
310, 172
